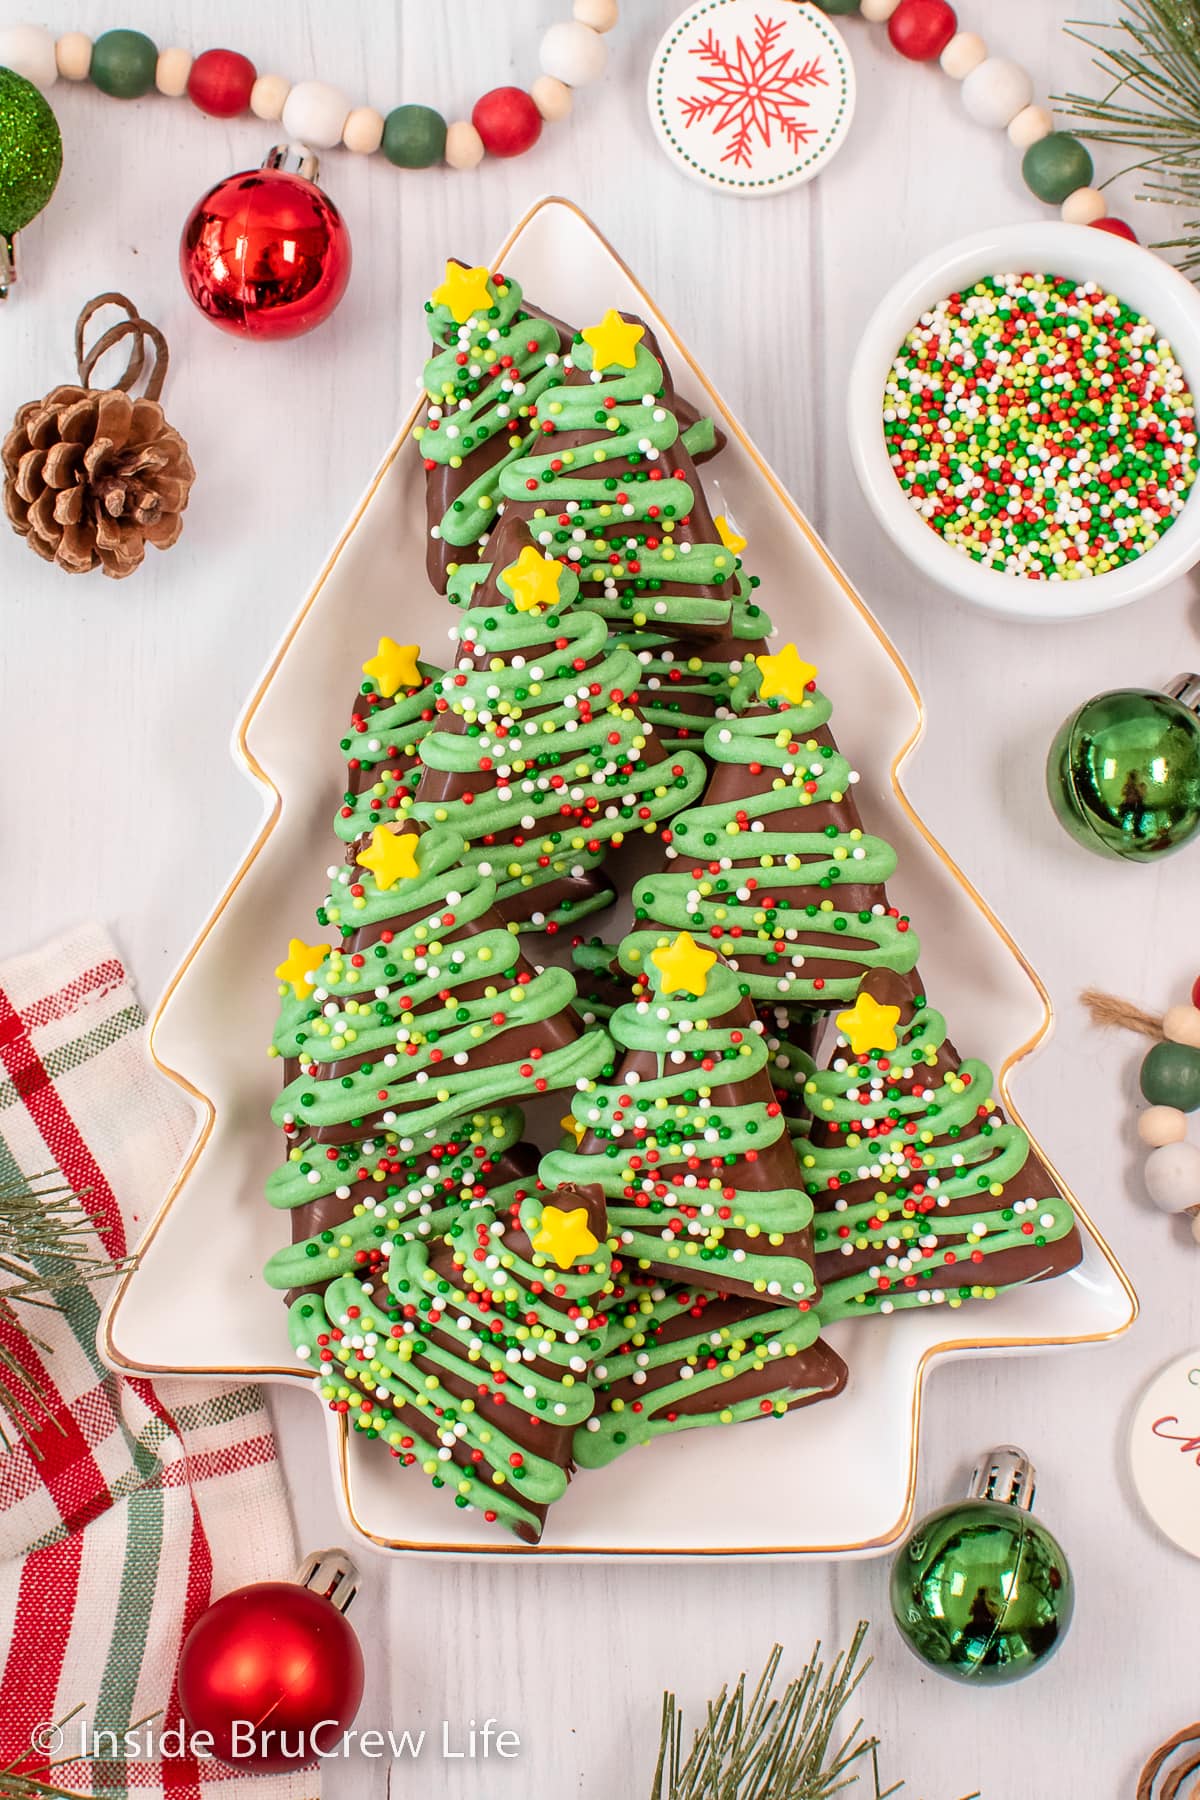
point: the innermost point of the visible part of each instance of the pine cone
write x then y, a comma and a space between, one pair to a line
92, 477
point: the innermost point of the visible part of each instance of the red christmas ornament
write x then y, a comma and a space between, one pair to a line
220, 82
1118, 227
921, 29
266, 254
508, 121
268, 1663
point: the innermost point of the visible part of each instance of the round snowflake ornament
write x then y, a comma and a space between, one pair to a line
751, 96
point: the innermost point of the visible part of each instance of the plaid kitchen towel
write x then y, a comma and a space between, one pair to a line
142, 1502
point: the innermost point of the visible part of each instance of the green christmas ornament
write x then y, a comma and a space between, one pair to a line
1123, 773
30, 164
1171, 1076
980, 1590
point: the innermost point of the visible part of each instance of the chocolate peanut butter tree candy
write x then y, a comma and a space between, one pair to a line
425, 1009
676, 1358
472, 1361
683, 686
925, 1193
611, 486
686, 1137
391, 711
348, 1208
538, 755
774, 867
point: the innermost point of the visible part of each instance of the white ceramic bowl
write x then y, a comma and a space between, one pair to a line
1136, 276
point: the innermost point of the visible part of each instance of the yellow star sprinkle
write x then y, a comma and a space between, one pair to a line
463, 292
390, 858
394, 666
729, 534
572, 1125
785, 676
683, 965
564, 1235
613, 342
869, 1026
303, 960
533, 580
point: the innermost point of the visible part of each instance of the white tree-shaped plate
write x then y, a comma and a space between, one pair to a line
744, 1492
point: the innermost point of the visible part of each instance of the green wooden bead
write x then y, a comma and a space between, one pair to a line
414, 137
1055, 166
124, 64
838, 7
1171, 1077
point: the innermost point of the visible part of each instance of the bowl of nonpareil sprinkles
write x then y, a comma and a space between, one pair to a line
1023, 420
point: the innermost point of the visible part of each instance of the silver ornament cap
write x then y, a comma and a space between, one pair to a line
1186, 689
332, 1574
293, 159
1005, 1474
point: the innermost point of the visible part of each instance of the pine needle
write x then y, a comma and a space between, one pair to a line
1151, 60
17, 1782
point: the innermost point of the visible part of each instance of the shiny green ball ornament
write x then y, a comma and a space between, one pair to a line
1171, 1076
981, 1592
30, 163
1123, 773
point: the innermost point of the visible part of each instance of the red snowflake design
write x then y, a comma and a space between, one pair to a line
752, 91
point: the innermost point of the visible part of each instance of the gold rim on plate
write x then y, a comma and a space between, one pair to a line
290, 1371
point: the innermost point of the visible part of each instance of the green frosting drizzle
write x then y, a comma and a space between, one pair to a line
913, 1161
474, 1362
766, 898
683, 687
674, 1348
404, 1194
614, 501
382, 751
688, 1142
510, 358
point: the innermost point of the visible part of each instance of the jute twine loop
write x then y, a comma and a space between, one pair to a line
132, 326
1172, 1787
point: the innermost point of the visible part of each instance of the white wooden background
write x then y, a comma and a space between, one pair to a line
118, 800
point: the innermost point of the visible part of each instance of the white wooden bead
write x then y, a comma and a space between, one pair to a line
1182, 1025
464, 146
29, 51
363, 131
965, 51
1160, 1125
1084, 206
878, 12
1030, 126
171, 72
601, 15
73, 54
268, 96
552, 97
1173, 1177
1196, 1229
314, 114
997, 91
573, 53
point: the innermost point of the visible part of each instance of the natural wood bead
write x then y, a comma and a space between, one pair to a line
73, 54
1181, 1023
363, 131
268, 96
601, 15
1172, 1176
964, 53
1160, 1125
878, 11
552, 98
1084, 207
1030, 126
464, 146
171, 72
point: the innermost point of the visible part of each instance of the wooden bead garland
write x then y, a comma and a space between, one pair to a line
1170, 1081
225, 84
996, 91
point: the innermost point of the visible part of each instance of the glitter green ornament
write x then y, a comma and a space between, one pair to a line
1123, 772
30, 164
981, 1592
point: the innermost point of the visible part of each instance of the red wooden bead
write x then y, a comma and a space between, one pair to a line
921, 29
1196, 993
220, 82
508, 121
1118, 227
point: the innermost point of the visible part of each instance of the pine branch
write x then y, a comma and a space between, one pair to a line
1151, 60
19, 1782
